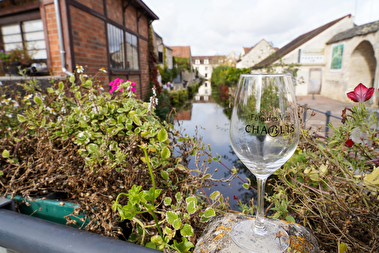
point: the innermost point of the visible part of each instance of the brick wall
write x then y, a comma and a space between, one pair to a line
96, 5
144, 66
131, 18
114, 10
143, 27
52, 31
89, 40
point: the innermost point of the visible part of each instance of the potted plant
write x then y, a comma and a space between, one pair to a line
4, 57
16, 59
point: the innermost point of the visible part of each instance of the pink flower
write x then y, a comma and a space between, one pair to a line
115, 84
349, 143
360, 93
132, 88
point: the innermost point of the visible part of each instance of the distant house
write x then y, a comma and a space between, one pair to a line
203, 65
110, 34
352, 58
308, 50
183, 52
255, 54
163, 52
231, 59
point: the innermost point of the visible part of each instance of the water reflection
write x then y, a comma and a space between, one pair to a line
214, 121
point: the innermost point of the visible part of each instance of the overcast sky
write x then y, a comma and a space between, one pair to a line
217, 27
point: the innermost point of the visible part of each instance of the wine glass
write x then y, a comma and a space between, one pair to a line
264, 133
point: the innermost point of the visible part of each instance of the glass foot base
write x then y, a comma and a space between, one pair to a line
275, 240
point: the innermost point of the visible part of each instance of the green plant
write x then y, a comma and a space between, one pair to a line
4, 56
91, 146
21, 55
143, 201
332, 183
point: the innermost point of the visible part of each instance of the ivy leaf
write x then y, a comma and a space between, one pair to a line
37, 100
167, 201
177, 223
178, 197
209, 212
165, 153
78, 95
290, 219
151, 245
5, 153
136, 120
171, 217
191, 207
162, 135
167, 231
246, 186
184, 246
186, 230
191, 198
21, 118
72, 78
61, 85
214, 195
92, 147
164, 174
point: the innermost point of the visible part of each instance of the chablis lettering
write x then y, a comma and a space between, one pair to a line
273, 131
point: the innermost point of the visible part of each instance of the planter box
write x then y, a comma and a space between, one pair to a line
50, 210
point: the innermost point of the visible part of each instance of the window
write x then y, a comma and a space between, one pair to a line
30, 34
116, 47
132, 51
160, 57
206, 84
337, 53
120, 60
197, 61
206, 75
206, 61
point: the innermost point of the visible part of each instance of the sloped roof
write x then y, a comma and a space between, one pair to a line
246, 49
212, 59
251, 48
295, 44
355, 31
140, 5
184, 51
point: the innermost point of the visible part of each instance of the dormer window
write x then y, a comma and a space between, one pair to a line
197, 61
206, 61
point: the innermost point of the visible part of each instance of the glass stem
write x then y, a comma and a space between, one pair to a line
259, 227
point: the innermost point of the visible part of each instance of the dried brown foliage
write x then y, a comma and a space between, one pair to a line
47, 165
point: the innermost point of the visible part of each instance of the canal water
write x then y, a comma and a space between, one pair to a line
212, 121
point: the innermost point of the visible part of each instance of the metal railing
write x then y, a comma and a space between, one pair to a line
328, 114
26, 234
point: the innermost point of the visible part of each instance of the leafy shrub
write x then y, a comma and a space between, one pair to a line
331, 185
91, 146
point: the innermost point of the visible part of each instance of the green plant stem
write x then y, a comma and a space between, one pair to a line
143, 229
151, 211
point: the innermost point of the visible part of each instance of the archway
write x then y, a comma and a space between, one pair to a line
362, 65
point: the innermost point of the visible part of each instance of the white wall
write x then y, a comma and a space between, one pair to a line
316, 45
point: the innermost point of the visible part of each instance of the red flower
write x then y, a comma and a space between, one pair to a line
361, 93
349, 143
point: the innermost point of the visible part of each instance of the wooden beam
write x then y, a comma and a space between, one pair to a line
126, 6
